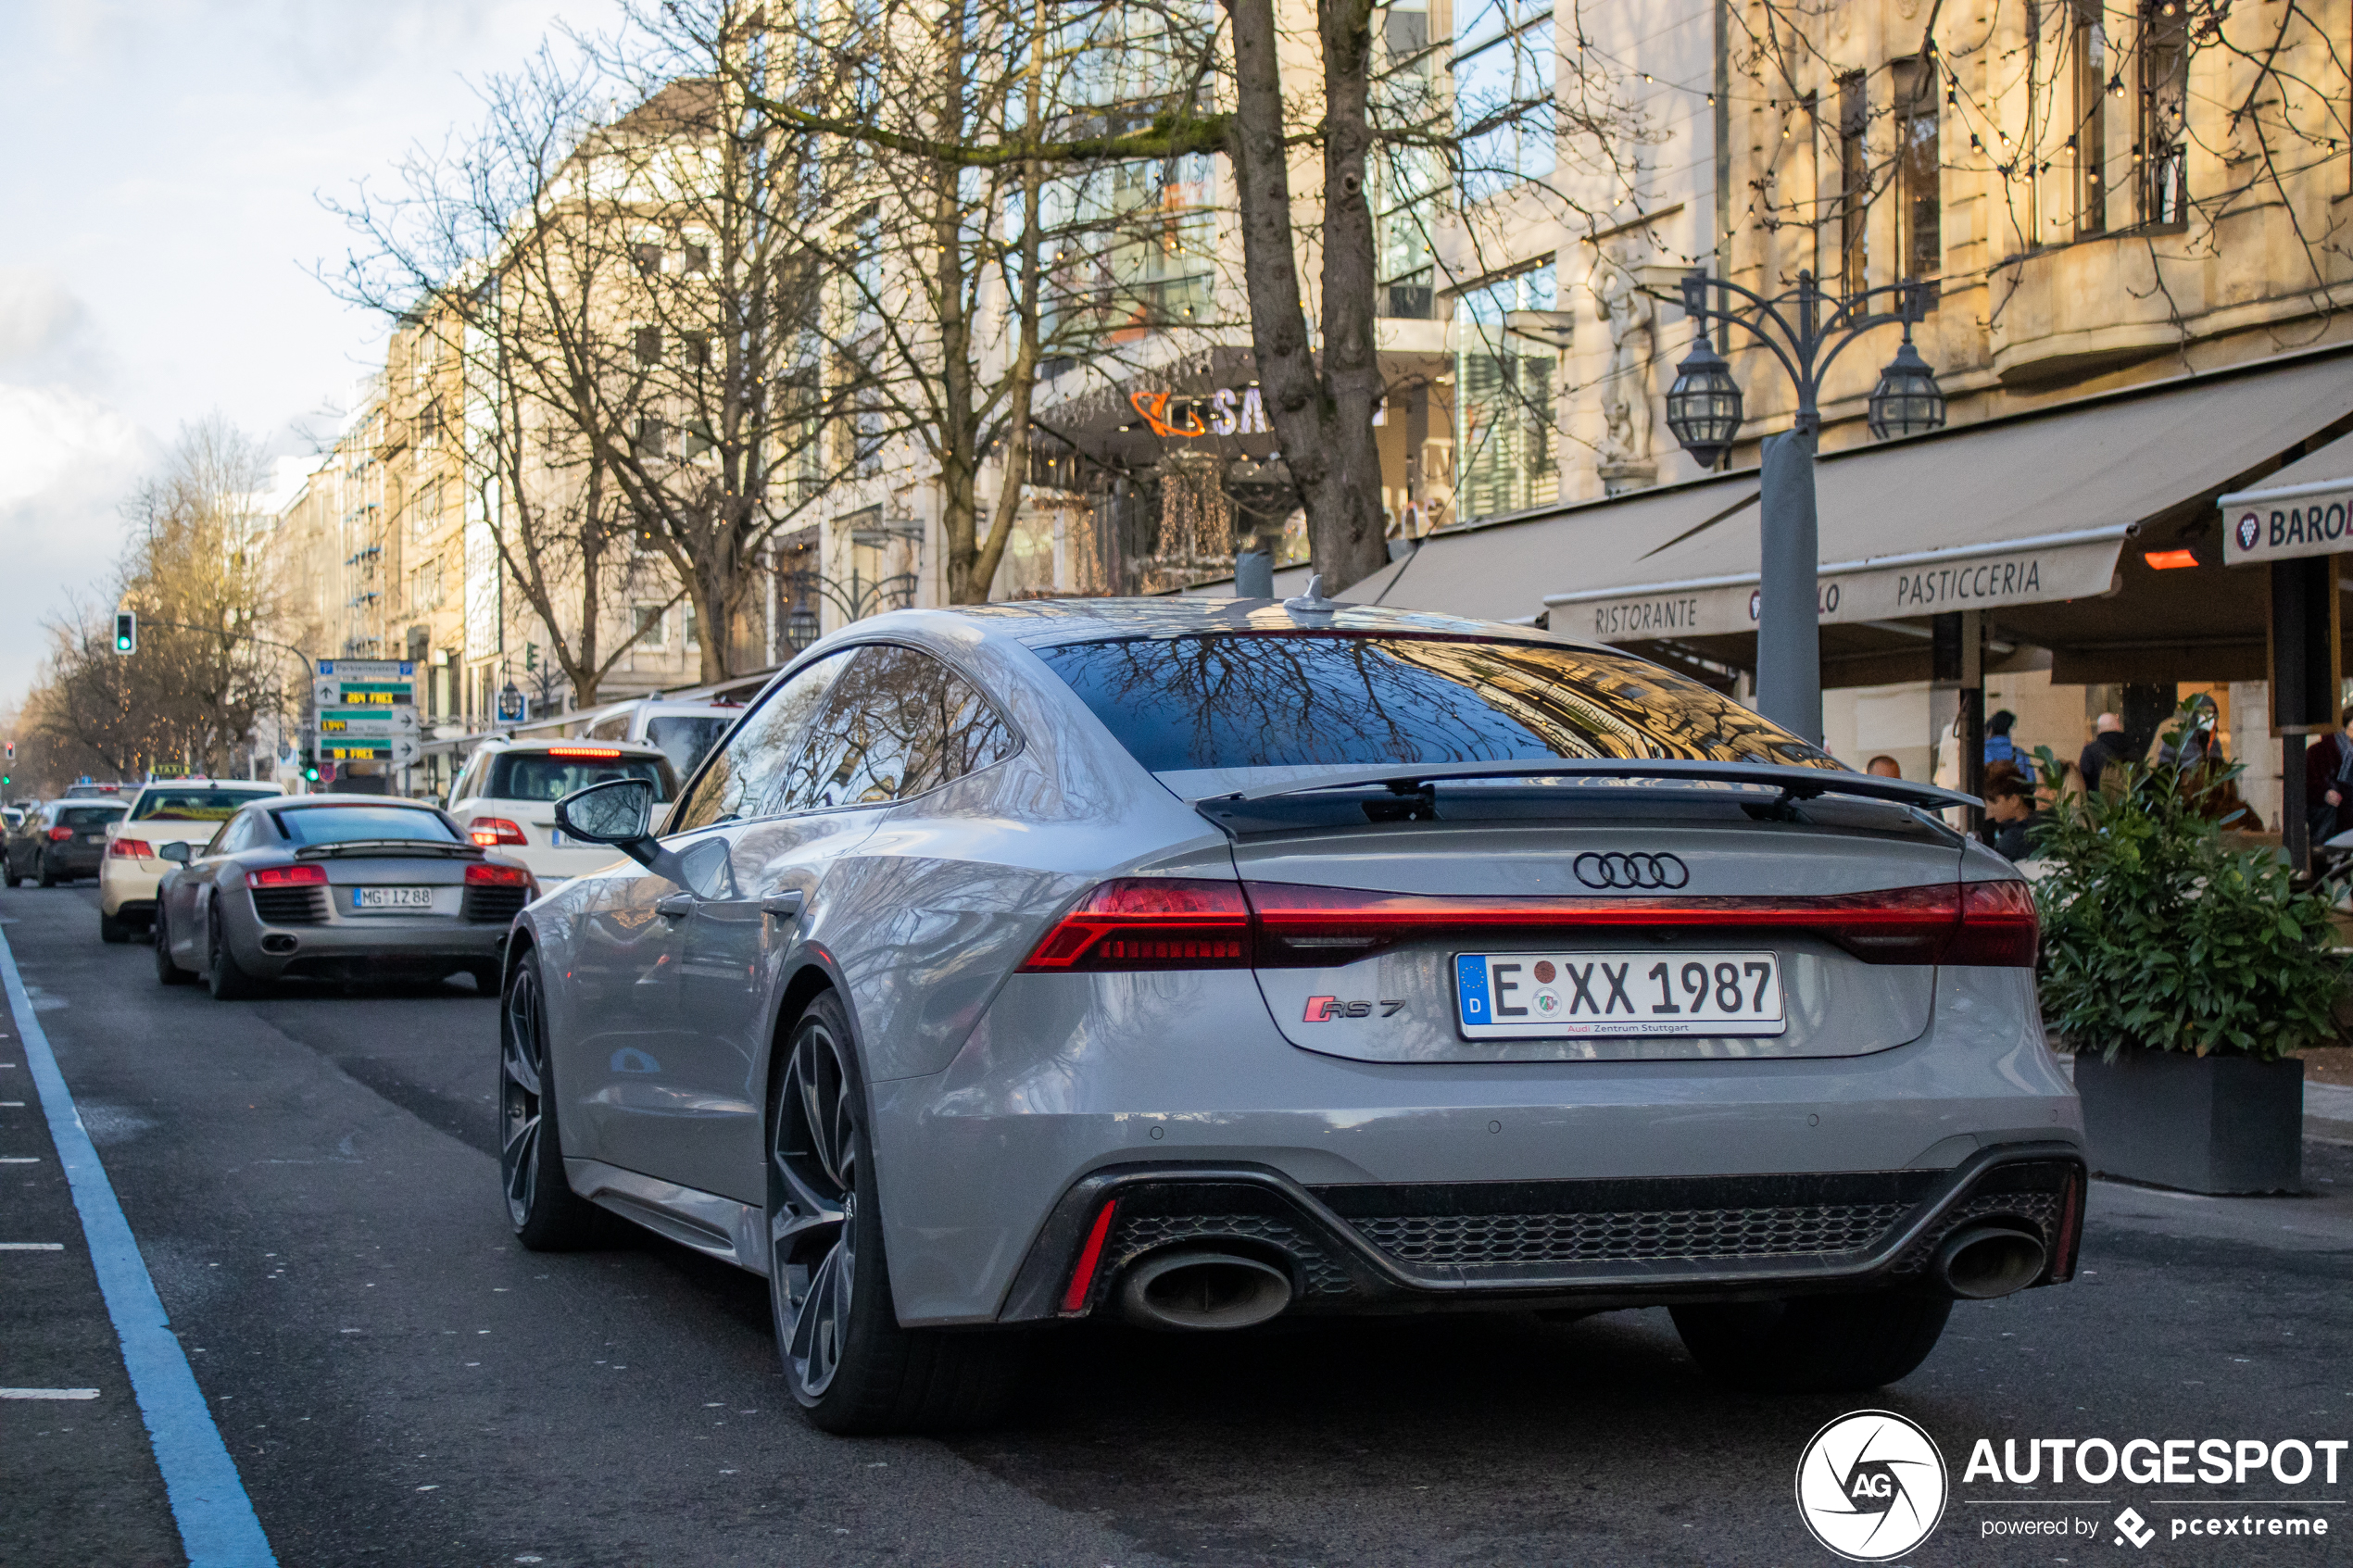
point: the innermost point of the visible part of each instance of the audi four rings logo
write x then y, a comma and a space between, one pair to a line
1614, 869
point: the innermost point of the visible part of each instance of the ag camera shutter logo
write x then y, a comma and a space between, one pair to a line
1872, 1485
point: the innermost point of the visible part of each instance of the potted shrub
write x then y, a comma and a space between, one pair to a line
2182, 972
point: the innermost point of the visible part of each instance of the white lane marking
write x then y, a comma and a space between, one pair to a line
32, 1246
20, 1159
48, 1393
11, 1105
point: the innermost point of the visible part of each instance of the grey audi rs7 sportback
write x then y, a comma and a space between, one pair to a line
1198, 961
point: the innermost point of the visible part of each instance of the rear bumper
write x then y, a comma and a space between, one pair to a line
352, 951
1071, 1078
1597, 1245
127, 887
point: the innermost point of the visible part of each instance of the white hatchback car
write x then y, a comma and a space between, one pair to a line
166, 811
505, 798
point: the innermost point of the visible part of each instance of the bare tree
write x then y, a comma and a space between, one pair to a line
195, 573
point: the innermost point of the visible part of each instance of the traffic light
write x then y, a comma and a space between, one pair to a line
530, 657
126, 632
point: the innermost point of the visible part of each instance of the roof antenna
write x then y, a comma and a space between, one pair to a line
1312, 602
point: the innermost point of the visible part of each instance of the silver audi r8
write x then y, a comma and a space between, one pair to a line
333, 886
1201, 961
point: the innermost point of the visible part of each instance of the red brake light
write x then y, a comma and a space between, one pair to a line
489, 832
1998, 926
1318, 927
287, 876
1149, 922
1082, 1278
600, 753
487, 876
132, 848
1164, 922
59, 836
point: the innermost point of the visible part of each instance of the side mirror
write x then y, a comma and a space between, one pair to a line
618, 812
179, 852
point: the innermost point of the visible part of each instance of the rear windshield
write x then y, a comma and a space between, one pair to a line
344, 824
541, 775
193, 805
684, 738
1286, 699
88, 816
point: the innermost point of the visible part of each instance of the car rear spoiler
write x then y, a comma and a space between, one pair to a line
1791, 783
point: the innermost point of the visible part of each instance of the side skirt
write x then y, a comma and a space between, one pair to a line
718, 1227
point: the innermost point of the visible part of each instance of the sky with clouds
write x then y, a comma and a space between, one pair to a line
157, 266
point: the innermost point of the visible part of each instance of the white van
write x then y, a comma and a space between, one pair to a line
684, 731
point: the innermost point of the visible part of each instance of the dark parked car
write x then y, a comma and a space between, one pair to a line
63, 840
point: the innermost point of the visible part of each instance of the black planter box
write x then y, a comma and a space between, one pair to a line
2202, 1123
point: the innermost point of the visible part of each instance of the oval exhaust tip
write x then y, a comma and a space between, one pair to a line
1204, 1290
1979, 1262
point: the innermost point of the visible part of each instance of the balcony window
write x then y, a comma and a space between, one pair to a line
1504, 84
1504, 400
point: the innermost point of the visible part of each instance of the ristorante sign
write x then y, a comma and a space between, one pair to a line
1892, 588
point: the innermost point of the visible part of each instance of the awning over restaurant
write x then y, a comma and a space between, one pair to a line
2026, 509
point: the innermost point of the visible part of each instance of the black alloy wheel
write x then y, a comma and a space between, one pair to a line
547, 1214
850, 1363
166, 972
226, 977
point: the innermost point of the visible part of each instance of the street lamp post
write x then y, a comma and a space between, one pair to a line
1704, 410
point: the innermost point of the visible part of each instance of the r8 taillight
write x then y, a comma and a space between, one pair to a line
287, 876
484, 874
1149, 922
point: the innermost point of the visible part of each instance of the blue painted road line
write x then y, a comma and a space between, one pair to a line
217, 1523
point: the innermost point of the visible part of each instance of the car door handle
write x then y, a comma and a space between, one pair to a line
678, 906
782, 906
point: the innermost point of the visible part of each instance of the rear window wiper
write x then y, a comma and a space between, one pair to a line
1793, 783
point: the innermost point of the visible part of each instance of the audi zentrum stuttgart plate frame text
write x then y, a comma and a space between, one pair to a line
1012, 966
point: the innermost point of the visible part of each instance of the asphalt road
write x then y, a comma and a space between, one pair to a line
312, 1182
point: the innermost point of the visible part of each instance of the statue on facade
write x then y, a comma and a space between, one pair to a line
1632, 316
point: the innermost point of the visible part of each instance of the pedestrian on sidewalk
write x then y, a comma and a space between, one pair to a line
2010, 814
2328, 782
2108, 747
1999, 748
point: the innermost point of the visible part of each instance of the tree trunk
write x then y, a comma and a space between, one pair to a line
1322, 416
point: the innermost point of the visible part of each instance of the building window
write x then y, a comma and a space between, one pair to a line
651, 437
697, 258
1919, 171
1504, 400
645, 343
1854, 185
2160, 151
2087, 138
646, 253
1504, 83
653, 626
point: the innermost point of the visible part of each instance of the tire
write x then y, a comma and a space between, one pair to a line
111, 928
8, 871
1813, 1344
548, 1215
849, 1364
41, 872
166, 972
229, 982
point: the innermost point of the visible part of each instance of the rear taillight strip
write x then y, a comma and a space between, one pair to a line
1150, 923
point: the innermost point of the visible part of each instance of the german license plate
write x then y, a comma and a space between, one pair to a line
1526, 995
392, 898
